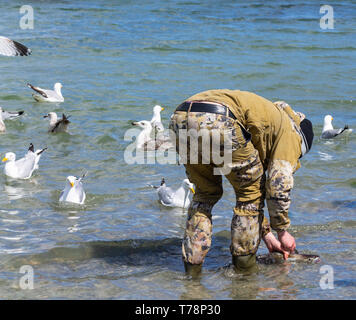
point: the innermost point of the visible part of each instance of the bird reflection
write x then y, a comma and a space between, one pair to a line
16, 190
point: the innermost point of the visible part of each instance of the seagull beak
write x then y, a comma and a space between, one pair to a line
332, 118
72, 184
162, 108
135, 123
192, 190
5, 159
46, 116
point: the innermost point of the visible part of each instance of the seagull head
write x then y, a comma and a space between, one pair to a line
51, 116
9, 156
187, 185
144, 124
58, 85
327, 122
157, 109
72, 181
57, 88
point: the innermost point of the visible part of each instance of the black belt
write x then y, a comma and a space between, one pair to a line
206, 107
212, 108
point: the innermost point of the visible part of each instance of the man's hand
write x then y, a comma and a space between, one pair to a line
273, 245
287, 241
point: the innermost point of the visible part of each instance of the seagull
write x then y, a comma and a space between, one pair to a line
178, 198
11, 48
144, 140
22, 168
56, 125
73, 190
7, 115
48, 95
11, 115
328, 130
156, 118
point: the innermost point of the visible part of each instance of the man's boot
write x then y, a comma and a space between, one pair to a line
245, 263
193, 270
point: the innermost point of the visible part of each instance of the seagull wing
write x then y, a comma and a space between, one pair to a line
61, 195
64, 194
157, 124
165, 195
329, 134
9, 48
26, 165
81, 193
11, 115
61, 125
42, 92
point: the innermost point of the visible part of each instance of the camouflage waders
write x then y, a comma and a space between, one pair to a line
246, 176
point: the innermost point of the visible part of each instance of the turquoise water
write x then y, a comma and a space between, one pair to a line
116, 60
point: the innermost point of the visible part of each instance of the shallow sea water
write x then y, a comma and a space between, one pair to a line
116, 60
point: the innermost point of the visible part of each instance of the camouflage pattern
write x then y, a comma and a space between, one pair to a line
251, 160
201, 123
247, 177
287, 108
248, 170
246, 233
266, 228
201, 207
279, 185
197, 236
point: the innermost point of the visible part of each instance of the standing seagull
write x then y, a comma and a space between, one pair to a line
12, 48
328, 130
22, 168
73, 190
144, 140
56, 125
48, 95
7, 115
156, 118
178, 198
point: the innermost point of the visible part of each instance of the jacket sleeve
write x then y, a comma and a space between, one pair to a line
283, 162
278, 189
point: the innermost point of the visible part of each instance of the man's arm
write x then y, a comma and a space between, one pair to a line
278, 188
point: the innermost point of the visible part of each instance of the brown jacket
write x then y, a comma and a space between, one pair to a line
274, 136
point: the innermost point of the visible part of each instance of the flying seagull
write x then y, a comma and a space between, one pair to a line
328, 130
48, 95
11, 48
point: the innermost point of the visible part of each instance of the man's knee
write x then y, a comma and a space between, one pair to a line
246, 233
